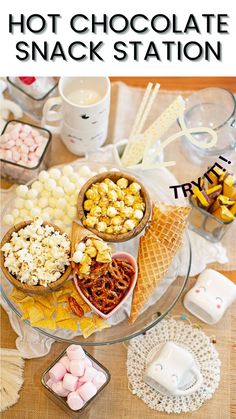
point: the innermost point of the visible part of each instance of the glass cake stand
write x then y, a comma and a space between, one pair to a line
170, 288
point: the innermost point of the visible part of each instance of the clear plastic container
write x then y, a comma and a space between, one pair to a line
61, 401
17, 173
205, 224
32, 97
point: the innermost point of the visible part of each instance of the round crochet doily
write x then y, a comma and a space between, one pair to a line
192, 339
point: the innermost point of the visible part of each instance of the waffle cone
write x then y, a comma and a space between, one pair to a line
157, 249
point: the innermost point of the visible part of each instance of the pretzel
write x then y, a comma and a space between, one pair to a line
107, 290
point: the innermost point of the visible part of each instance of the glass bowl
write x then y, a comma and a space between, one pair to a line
61, 401
205, 224
17, 173
170, 288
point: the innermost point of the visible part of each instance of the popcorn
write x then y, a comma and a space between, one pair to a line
77, 256
122, 183
35, 256
129, 224
138, 214
113, 204
111, 211
134, 188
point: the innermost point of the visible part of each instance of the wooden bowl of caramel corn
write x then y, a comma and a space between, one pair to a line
114, 205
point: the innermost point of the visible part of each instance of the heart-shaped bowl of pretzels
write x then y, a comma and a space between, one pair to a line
107, 292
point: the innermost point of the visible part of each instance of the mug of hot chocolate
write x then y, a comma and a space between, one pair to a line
80, 114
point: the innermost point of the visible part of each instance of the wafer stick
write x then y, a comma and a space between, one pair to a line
148, 108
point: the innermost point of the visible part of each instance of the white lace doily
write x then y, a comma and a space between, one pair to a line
192, 339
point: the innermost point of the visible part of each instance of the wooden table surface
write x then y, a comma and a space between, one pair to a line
117, 401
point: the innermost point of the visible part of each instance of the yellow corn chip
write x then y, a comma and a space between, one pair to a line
45, 324
99, 322
87, 326
17, 295
103, 257
45, 301
35, 314
71, 324
61, 313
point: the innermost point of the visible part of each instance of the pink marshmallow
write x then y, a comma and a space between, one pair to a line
39, 151
2, 154
89, 374
33, 147
87, 391
23, 135
32, 163
26, 129
15, 156
34, 133
9, 144
77, 367
24, 149
59, 389
99, 379
66, 362
31, 156
18, 142
8, 155
49, 382
29, 141
79, 384
4, 138
24, 157
88, 362
74, 401
57, 372
75, 352
70, 382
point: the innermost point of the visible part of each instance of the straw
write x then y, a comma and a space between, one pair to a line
141, 110
148, 108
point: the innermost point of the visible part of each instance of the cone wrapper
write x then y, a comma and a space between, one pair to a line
78, 233
157, 248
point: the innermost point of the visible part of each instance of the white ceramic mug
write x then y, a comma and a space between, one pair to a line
173, 370
82, 111
210, 297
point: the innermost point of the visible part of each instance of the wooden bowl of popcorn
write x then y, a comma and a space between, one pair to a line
39, 264
114, 205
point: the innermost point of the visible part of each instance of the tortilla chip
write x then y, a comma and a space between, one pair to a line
61, 313
71, 324
87, 326
35, 313
99, 322
45, 324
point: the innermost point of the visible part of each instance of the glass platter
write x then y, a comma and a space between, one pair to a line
170, 288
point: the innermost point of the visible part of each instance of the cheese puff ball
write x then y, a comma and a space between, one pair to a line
101, 226
134, 188
88, 204
122, 183
96, 211
90, 221
129, 200
117, 220
111, 211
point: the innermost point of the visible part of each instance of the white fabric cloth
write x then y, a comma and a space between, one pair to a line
191, 339
31, 344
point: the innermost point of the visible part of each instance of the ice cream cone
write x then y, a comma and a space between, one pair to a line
157, 249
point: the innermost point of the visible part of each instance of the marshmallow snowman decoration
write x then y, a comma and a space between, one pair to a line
210, 297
